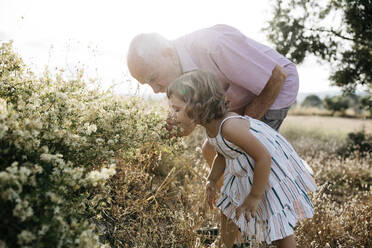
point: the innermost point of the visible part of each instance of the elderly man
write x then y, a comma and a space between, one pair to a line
259, 81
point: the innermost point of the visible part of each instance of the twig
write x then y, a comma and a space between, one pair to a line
161, 185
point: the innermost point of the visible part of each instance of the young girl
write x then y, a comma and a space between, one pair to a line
265, 181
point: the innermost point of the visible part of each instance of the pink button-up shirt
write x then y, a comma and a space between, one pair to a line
243, 64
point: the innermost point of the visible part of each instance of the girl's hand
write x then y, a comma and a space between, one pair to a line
248, 207
211, 189
177, 129
171, 125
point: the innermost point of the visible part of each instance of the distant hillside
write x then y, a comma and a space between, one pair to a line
322, 94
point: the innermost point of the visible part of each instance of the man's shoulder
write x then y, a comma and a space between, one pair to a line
222, 28
207, 37
215, 31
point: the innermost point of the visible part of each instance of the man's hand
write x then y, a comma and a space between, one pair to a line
211, 189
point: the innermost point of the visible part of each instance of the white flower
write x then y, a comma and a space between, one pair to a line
2, 244
25, 237
61, 95
46, 157
96, 176
23, 174
44, 229
3, 129
22, 210
44, 149
53, 197
4, 177
90, 128
3, 109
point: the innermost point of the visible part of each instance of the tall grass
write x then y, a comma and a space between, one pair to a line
343, 203
315, 111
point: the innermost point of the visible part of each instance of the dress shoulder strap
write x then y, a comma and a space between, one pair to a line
231, 117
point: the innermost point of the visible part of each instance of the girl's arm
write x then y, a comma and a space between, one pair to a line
237, 131
218, 168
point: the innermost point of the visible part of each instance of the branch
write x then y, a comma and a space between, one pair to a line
338, 35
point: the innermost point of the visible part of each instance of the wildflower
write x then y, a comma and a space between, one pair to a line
22, 210
100, 176
3, 109
25, 237
46, 157
23, 174
90, 128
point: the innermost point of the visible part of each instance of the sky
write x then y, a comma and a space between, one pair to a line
94, 35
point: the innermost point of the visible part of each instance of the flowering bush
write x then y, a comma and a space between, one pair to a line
59, 144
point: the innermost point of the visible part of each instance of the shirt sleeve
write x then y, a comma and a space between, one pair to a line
243, 64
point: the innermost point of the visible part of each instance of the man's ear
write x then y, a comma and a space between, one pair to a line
170, 52
166, 52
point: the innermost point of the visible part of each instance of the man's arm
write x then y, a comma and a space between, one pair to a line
252, 70
258, 107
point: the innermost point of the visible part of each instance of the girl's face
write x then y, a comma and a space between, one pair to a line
177, 107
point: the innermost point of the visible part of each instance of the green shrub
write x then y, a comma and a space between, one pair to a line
312, 101
336, 103
357, 142
59, 144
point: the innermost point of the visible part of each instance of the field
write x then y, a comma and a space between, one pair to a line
331, 125
343, 202
83, 168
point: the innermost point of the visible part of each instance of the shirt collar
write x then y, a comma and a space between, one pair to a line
186, 61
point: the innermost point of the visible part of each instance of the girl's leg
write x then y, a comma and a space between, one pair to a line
288, 242
229, 231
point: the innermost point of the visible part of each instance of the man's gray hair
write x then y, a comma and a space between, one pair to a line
148, 46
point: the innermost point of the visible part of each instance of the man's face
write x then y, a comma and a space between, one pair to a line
158, 73
158, 79
161, 74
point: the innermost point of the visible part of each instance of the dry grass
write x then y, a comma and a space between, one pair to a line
298, 110
164, 206
314, 111
327, 124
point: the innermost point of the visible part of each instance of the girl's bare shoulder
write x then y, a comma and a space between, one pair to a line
235, 125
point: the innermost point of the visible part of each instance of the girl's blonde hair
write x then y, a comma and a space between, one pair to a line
203, 94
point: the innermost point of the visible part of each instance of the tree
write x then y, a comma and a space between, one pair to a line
366, 102
312, 101
335, 31
336, 103
354, 102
